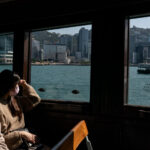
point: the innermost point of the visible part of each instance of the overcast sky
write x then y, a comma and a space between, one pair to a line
143, 22
71, 30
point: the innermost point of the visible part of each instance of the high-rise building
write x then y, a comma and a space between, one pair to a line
66, 40
74, 44
83, 42
35, 49
6, 49
55, 52
6, 43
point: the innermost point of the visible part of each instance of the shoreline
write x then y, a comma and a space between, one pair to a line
59, 64
133, 65
53, 64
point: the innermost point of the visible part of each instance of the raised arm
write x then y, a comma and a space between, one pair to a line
30, 97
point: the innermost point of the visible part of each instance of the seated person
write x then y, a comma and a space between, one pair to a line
3, 146
12, 108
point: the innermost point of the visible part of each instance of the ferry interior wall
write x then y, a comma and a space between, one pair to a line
111, 122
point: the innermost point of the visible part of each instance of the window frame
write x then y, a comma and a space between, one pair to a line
59, 105
22, 44
30, 52
139, 111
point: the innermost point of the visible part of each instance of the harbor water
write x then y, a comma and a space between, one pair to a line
138, 88
59, 81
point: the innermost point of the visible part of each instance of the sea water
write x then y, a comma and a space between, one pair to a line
138, 88
58, 82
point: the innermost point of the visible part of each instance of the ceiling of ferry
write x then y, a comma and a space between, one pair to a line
77, 3
33, 8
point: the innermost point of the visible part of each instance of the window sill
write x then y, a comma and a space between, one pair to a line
65, 106
137, 111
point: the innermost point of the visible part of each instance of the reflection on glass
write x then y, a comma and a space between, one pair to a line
61, 61
139, 62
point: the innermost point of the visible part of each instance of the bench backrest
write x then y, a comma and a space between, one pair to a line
72, 140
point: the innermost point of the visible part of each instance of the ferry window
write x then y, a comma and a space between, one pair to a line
139, 61
6, 51
61, 62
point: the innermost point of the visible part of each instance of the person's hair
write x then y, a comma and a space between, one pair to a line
8, 80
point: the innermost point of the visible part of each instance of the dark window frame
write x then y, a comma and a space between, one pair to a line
59, 105
30, 51
22, 44
139, 111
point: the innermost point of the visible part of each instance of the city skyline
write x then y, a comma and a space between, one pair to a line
53, 47
70, 30
75, 47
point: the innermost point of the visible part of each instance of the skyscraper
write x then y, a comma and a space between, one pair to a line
83, 42
6, 48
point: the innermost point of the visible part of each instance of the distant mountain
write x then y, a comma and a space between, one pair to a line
51, 37
137, 36
46, 37
140, 34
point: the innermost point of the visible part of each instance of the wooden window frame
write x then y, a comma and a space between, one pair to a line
22, 54
22, 66
56, 105
139, 111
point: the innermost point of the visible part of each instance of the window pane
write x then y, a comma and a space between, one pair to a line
6, 51
139, 62
61, 62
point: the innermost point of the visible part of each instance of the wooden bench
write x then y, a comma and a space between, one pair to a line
72, 140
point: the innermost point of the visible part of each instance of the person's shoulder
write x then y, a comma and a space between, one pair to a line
3, 106
2, 103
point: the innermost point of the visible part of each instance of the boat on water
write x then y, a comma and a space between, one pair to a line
144, 68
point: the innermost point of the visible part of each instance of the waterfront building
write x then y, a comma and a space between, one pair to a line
83, 42
89, 51
61, 51
41, 54
78, 55
66, 39
72, 59
49, 52
6, 49
74, 44
62, 57
134, 60
137, 37
56, 52
6, 42
6, 57
35, 49
141, 53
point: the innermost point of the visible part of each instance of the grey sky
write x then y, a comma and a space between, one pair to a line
143, 22
70, 30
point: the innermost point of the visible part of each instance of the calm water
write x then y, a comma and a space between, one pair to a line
139, 88
59, 81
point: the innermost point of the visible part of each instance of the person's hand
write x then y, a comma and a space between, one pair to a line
22, 82
32, 138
